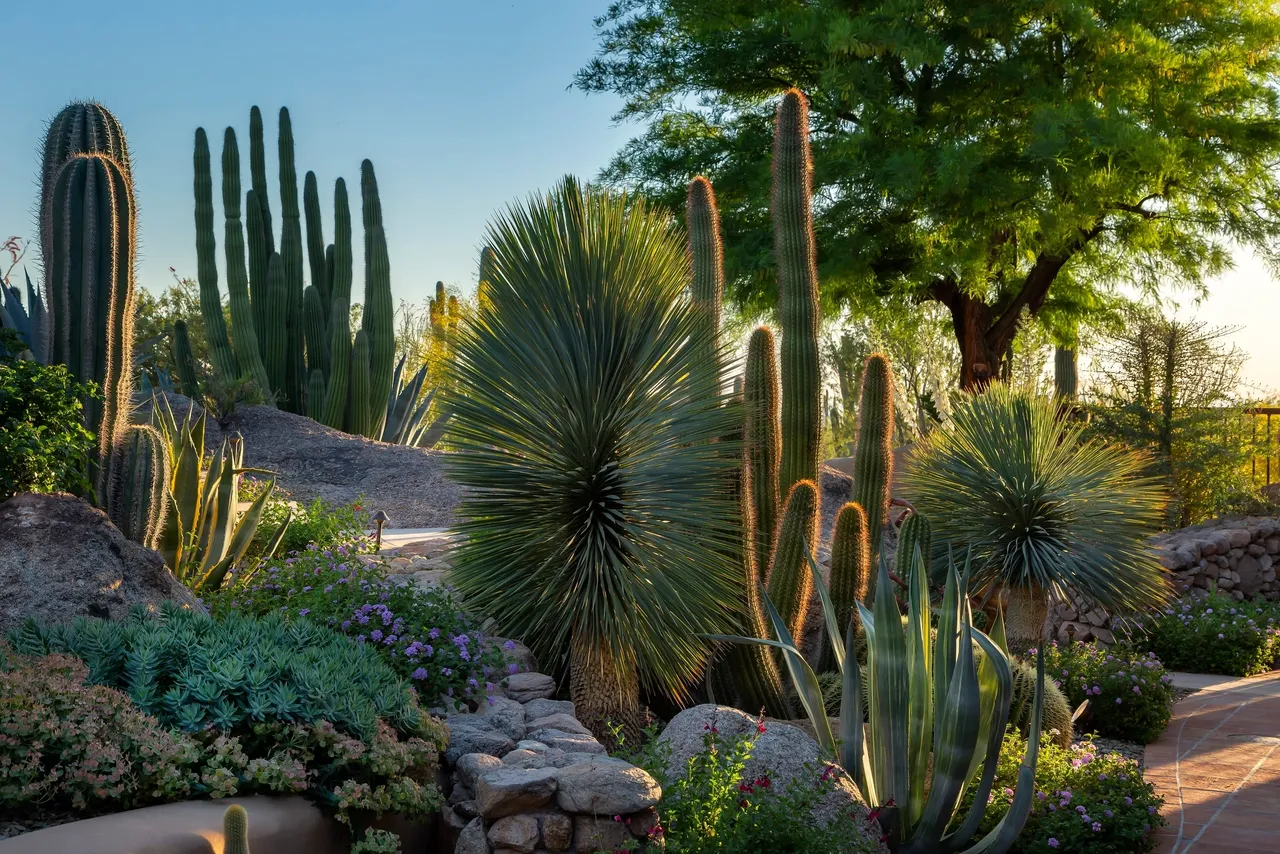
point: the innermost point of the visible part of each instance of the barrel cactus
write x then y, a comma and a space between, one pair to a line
235, 830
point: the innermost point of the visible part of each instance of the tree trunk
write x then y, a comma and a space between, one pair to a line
605, 691
1025, 614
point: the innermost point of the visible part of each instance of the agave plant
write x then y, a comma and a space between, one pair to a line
406, 422
597, 524
936, 712
1044, 510
204, 533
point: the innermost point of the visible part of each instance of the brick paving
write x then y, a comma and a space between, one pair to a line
1218, 767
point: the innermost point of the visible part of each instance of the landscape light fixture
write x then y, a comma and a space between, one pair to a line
380, 518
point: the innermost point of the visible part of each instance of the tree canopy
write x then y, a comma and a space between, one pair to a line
1007, 159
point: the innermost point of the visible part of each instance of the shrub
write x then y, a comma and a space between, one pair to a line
325, 526
422, 634
710, 809
1214, 634
1085, 802
43, 440
1130, 695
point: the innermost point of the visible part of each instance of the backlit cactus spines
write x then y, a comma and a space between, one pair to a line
137, 496
873, 454
235, 830
1065, 373
291, 255
185, 359
358, 411
378, 319
914, 534
707, 257
850, 567
276, 304
90, 289
224, 361
797, 292
762, 449
316, 334
335, 407
790, 581
315, 242
245, 343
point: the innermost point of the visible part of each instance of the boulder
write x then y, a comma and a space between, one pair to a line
474, 734
592, 834
61, 558
1250, 572
504, 715
472, 765
783, 753
472, 839
538, 709
510, 791
562, 722
569, 742
515, 833
606, 786
523, 687
557, 831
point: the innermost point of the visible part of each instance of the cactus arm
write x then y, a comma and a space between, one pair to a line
291, 255
245, 344
315, 238
707, 255
873, 455
335, 408
316, 333
379, 325
359, 408
276, 305
215, 324
788, 582
760, 440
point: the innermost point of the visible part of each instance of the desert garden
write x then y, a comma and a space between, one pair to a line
750, 500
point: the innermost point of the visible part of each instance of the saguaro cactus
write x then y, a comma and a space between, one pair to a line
797, 292
790, 583
224, 361
378, 320
245, 344
873, 455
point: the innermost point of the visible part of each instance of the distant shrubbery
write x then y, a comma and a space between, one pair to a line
1130, 694
1214, 634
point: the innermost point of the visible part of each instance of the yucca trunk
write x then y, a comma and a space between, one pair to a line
605, 691
1025, 614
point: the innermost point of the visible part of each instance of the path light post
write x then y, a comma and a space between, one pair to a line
380, 518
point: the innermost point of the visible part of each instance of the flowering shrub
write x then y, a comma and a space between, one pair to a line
711, 809
43, 441
1130, 694
421, 634
1085, 803
1214, 634
325, 526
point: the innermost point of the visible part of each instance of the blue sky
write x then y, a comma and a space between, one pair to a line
461, 106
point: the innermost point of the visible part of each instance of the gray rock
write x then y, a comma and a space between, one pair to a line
1250, 572
537, 709
788, 756
1238, 538
508, 791
557, 831
515, 833
525, 759
472, 839
518, 654
467, 809
569, 742
61, 558
473, 734
592, 834
560, 759
606, 786
562, 722
504, 715
530, 744
472, 765
523, 687
451, 819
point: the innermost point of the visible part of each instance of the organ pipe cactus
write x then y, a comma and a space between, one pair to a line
137, 501
788, 577
185, 359
794, 254
936, 714
1065, 374
873, 455
707, 255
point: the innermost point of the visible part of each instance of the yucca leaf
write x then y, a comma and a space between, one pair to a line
803, 678
944, 648
828, 609
853, 748
221, 513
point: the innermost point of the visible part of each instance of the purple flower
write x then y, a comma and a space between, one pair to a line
513, 668
304, 612
1097, 827
1053, 843
509, 646
376, 634
1128, 801
419, 674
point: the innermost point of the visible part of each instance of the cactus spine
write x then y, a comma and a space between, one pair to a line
235, 830
92, 237
797, 292
1057, 710
873, 455
138, 495
245, 344
275, 306
185, 359
1065, 373
707, 255
790, 582
762, 448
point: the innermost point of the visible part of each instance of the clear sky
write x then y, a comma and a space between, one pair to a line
462, 106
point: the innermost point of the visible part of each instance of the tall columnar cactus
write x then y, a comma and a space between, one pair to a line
245, 343
915, 534
361, 383
336, 393
92, 235
315, 249
707, 255
762, 449
794, 253
185, 359
378, 320
224, 361
486, 273
789, 581
275, 304
873, 455
1065, 374
258, 222
235, 830
850, 570
138, 495
291, 256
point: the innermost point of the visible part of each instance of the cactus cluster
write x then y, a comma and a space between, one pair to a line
293, 339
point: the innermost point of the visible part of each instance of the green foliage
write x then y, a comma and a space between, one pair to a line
43, 441
1130, 694
1169, 388
191, 671
963, 147
1042, 508
597, 512
1086, 802
1213, 634
423, 635
710, 808
316, 525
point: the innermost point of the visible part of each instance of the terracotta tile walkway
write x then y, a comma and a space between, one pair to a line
1218, 768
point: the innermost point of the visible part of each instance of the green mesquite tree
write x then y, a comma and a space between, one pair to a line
1006, 159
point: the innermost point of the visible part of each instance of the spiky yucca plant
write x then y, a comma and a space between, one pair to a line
1043, 509
598, 526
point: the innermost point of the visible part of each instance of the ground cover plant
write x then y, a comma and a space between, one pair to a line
211, 708
1214, 634
1129, 692
423, 635
1085, 802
